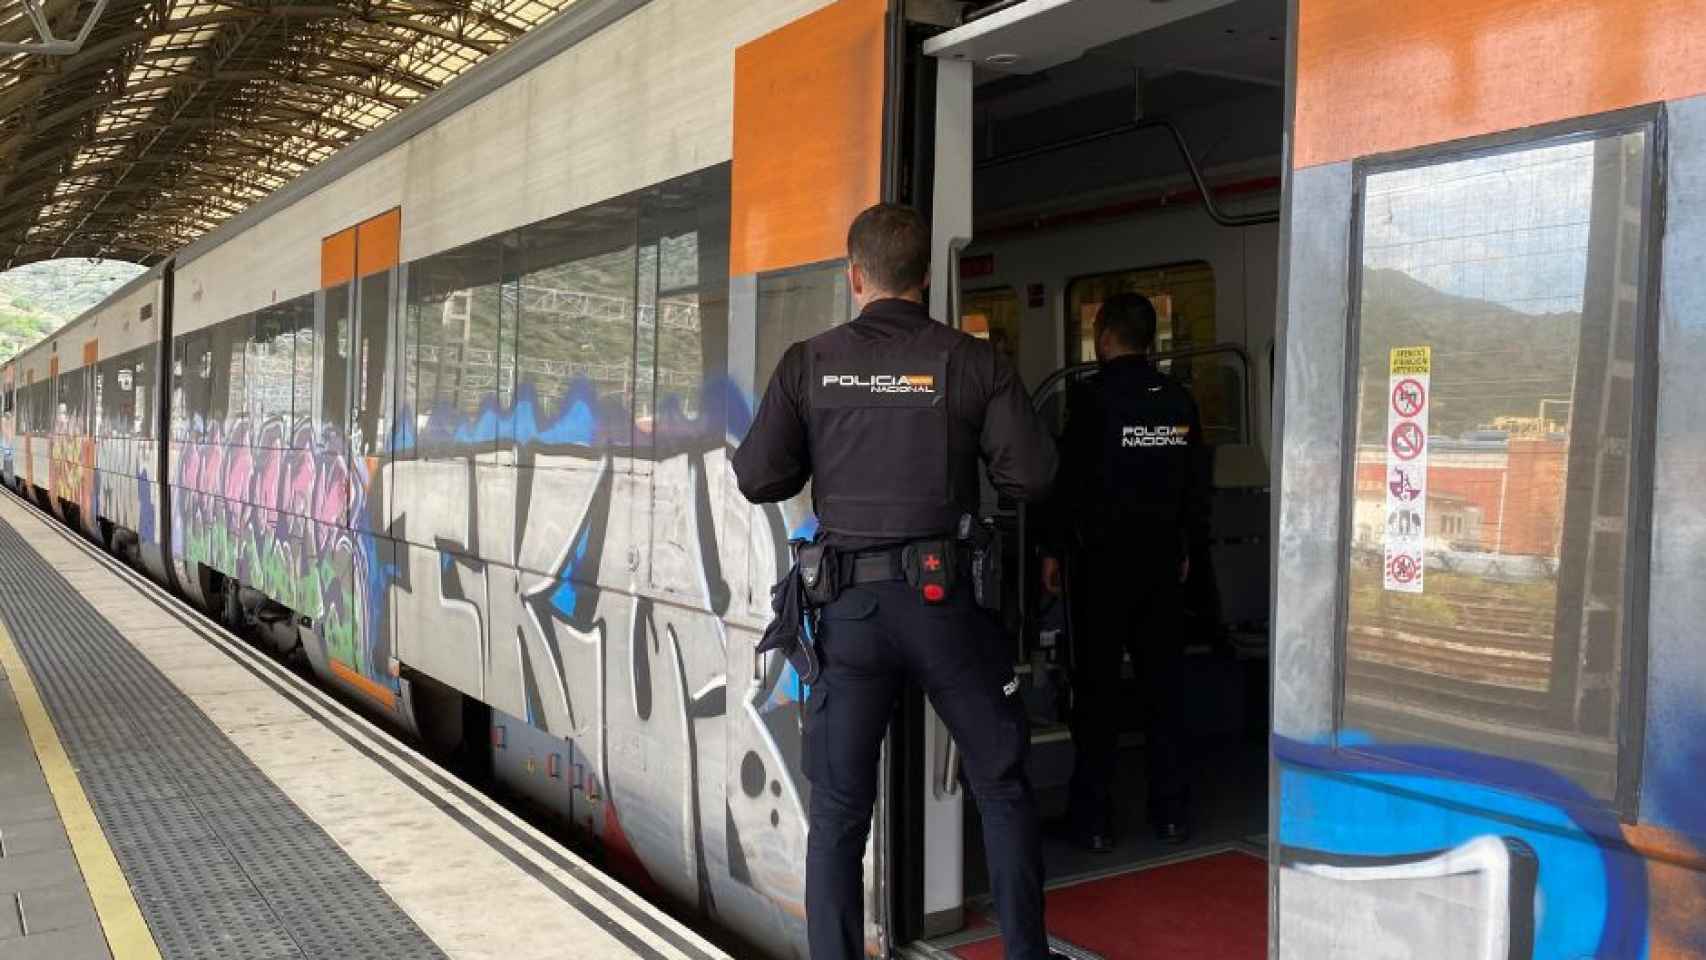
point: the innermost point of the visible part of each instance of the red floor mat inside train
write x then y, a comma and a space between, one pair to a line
1210, 908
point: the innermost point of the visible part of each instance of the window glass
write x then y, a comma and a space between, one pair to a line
269, 363
372, 419
1498, 312
1183, 295
994, 315
228, 393
70, 414
450, 355
141, 389
576, 288
192, 385
118, 397
334, 305
299, 321
795, 306
683, 326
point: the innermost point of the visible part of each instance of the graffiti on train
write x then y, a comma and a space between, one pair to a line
1429, 851
598, 587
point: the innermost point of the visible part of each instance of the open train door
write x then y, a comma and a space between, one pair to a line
1012, 41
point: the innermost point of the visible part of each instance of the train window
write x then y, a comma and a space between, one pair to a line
576, 319
1183, 295
334, 305
192, 381
450, 366
141, 365
270, 362
994, 315
683, 329
71, 418
795, 305
228, 394
1490, 540
373, 339
117, 390
299, 321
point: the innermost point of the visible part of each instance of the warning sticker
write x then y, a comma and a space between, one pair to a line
1412, 361
1411, 370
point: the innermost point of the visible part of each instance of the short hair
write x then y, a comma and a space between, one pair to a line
1130, 317
891, 244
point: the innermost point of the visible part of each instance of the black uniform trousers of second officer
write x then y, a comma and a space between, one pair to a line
889, 418
874, 638
1131, 505
1128, 606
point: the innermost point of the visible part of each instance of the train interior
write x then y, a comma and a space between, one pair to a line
1085, 174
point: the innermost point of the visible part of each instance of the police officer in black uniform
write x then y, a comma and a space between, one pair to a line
888, 417
1130, 509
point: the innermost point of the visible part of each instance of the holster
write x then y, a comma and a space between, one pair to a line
983, 544
795, 604
820, 573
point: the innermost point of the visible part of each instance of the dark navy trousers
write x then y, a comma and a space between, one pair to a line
874, 639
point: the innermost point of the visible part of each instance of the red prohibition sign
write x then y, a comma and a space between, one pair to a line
1408, 441
1404, 568
1409, 397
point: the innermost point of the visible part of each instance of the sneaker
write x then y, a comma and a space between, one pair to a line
1172, 832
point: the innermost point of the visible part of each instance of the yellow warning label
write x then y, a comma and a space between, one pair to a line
1412, 360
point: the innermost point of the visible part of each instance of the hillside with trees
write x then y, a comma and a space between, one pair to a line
1489, 361
37, 299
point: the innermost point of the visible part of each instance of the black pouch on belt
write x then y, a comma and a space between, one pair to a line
930, 567
820, 574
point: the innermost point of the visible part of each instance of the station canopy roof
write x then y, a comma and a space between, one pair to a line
128, 128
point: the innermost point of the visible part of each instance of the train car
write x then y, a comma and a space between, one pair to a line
1488, 665
449, 418
8, 423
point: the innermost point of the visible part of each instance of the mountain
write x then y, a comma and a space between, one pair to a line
1489, 360
37, 299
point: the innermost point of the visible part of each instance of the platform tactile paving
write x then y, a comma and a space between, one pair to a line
222, 864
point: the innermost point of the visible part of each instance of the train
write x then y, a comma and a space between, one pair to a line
449, 418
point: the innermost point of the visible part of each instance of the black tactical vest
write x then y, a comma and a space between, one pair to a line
1147, 454
879, 426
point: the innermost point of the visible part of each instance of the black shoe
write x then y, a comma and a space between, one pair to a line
1172, 832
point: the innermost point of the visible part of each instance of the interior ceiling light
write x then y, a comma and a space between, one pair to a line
1001, 59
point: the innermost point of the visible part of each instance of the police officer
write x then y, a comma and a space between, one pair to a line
888, 417
1131, 507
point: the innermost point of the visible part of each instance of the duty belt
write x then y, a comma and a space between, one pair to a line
877, 567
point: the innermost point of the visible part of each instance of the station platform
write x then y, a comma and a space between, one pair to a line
168, 791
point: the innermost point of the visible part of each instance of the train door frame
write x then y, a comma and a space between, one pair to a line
924, 803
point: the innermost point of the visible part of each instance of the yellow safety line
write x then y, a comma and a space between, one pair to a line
121, 919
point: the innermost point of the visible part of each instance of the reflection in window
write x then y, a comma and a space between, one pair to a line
269, 363
993, 315
300, 323
334, 359
71, 420
576, 295
451, 344
683, 312
1521, 272
372, 419
1183, 295
228, 392
795, 306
